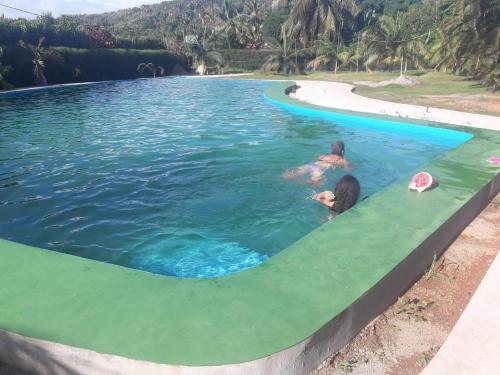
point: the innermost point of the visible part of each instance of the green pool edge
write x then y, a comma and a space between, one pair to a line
248, 315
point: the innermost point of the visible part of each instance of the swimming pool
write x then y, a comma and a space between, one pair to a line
180, 176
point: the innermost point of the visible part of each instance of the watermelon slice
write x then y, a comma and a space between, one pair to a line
494, 160
422, 181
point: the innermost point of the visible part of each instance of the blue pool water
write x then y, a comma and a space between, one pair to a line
178, 176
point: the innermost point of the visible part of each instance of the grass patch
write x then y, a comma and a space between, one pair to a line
328, 76
431, 83
438, 267
347, 366
413, 307
436, 89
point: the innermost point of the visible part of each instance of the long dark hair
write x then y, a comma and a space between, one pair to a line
338, 148
346, 193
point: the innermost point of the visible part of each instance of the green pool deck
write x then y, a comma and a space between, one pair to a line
248, 315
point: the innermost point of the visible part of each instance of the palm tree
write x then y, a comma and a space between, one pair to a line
493, 80
349, 57
387, 42
468, 41
329, 56
310, 20
227, 25
203, 56
326, 55
37, 60
3, 71
285, 61
323, 19
151, 67
251, 23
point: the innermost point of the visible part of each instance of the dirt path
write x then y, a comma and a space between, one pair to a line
405, 338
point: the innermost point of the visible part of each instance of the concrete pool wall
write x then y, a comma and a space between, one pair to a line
63, 314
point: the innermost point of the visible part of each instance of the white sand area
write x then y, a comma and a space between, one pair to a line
341, 96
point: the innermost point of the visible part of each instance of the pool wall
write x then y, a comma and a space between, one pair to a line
64, 314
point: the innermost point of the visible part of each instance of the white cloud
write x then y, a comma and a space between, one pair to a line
58, 7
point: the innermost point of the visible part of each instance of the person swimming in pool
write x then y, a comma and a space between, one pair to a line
317, 169
345, 196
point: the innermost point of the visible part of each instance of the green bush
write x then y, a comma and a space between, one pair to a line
70, 65
3, 71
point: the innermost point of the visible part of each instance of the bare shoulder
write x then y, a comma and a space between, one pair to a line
328, 158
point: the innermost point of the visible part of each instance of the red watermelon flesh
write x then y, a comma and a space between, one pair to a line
421, 181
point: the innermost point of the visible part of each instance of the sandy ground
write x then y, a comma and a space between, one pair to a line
480, 103
404, 338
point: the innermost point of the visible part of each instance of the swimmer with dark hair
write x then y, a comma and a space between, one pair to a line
336, 157
317, 169
345, 196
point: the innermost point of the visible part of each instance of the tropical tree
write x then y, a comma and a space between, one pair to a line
468, 40
37, 55
325, 56
390, 41
310, 20
349, 57
3, 70
152, 68
251, 21
326, 20
227, 24
100, 37
328, 56
493, 79
202, 55
273, 23
285, 61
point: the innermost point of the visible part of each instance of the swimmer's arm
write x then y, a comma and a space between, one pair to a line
326, 198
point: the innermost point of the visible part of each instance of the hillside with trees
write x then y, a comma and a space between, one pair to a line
282, 36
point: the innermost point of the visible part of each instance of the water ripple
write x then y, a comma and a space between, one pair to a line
173, 176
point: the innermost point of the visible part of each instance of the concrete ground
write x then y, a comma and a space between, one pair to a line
339, 95
473, 345
405, 338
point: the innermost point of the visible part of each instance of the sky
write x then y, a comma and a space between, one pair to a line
58, 7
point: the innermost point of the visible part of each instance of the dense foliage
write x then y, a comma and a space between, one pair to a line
226, 23
3, 69
461, 36
63, 65
223, 23
467, 41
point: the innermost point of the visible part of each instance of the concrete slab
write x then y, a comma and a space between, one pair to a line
341, 96
473, 346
